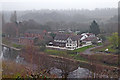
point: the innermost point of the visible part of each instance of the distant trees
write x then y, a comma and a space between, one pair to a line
114, 39
102, 37
32, 24
13, 17
10, 29
94, 41
94, 28
53, 35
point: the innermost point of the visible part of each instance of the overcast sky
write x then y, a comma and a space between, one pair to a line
57, 4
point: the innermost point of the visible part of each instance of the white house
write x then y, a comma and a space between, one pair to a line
72, 42
67, 41
87, 38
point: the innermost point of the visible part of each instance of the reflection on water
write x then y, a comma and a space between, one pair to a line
9, 53
14, 55
78, 73
19, 59
3, 51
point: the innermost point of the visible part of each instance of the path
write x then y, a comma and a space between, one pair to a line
11, 47
89, 52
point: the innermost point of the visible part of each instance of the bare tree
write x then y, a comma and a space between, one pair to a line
66, 66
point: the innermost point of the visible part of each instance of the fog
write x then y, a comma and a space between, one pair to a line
57, 4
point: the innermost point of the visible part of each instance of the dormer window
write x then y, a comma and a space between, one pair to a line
70, 41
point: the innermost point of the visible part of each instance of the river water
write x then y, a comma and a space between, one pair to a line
14, 55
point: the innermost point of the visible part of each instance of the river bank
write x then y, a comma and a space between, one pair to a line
45, 61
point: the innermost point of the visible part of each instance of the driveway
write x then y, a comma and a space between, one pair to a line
89, 52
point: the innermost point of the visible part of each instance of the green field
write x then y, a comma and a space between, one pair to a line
83, 48
105, 59
7, 42
69, 53
17, 46
55, 52
109, 47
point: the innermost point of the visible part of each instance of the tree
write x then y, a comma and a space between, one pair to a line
114, 39
53, 35
102, 37
13, 17
65, 65
94, 28
10, 29
94, 41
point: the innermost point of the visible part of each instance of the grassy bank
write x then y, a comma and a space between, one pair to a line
103, 59
103, 48
83, 48
69, 52
7, 42
55, 52
17, 46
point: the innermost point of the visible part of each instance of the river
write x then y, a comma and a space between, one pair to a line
7, 54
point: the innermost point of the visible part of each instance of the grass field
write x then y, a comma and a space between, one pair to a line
69, 53
7, 42
83, 48
55, 52
109, 47
105, 59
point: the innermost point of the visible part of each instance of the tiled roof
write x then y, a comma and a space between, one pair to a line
89, 34
30, 38
89, 38
66, 36
61, 37
34, 31
74, 37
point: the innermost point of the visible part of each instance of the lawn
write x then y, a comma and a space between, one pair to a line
105, 59
69, 53
99, 44
55, 52
83, 48
109, 47
7, 42
17, 46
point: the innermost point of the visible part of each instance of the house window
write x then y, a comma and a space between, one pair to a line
67, 41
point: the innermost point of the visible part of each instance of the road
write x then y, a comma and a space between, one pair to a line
89, 52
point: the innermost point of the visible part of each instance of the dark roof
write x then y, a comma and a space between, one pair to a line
34, 31
89, 38
89, 34
30, 38
66, 36
61, 37
74, 37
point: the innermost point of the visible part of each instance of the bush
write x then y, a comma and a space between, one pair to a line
17, 46
42, 48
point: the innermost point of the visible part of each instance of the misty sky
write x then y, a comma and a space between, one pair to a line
57, 4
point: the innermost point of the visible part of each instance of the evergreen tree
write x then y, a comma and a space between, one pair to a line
94, 28
13, 17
